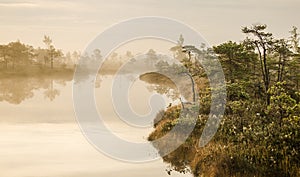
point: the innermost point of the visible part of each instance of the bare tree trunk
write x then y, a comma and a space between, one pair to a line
13, 64
267, 75
266, 70
51, 63
261, 63
6, 62
279, 68
51, 59
193, 86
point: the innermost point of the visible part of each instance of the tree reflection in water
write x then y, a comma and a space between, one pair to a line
17, 89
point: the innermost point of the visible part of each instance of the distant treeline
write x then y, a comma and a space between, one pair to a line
16, 56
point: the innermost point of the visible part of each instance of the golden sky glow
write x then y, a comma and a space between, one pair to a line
73, 23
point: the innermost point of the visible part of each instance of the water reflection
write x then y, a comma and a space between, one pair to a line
15, 90
51, 92
38, 133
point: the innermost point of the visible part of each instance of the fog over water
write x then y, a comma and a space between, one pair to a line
40, 137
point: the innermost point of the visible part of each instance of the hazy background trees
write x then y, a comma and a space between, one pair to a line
18, 57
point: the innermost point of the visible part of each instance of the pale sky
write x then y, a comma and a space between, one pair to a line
72, 24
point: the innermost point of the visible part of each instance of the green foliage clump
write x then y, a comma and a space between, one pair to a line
259, 133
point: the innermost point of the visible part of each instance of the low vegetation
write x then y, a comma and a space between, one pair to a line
259, 133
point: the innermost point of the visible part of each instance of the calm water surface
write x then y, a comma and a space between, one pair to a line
39, 135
